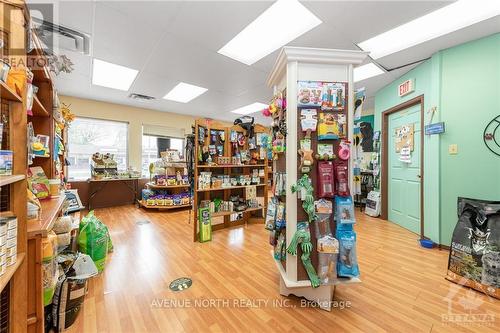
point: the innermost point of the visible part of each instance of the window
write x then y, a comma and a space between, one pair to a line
153, 145
87, 136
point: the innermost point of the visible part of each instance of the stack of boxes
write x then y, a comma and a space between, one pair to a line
8, 242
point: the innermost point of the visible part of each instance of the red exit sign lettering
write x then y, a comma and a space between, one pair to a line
406, 87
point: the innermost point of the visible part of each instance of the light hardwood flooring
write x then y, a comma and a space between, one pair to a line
403, 288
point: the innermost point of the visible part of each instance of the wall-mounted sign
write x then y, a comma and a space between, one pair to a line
436, 128
406, 87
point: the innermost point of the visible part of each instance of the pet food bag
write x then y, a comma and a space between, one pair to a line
70, 292
474, 259
49, 267
94, 240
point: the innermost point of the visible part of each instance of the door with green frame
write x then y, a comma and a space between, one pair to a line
404, 173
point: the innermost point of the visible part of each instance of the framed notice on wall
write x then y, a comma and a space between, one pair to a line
404, 137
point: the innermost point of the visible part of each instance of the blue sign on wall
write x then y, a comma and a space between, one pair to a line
436, 128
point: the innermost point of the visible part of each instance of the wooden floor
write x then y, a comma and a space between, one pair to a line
235, 283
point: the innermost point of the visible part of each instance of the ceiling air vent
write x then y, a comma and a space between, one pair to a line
58, 36
139, 97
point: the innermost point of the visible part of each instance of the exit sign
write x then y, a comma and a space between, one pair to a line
406, 87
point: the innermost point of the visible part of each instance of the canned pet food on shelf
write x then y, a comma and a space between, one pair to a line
11, 251
11, 242
11, 233
11, 222
3, 226
11, 260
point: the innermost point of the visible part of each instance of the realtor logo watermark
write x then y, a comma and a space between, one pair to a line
466, 310
208, 303
17, 56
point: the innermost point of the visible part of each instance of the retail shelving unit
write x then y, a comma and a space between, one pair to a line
171, 189
13, 283
33, 231
251, 214
307, 64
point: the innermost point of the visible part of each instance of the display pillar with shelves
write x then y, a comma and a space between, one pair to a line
296, 64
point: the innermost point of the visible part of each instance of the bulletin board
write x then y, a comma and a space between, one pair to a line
404, 137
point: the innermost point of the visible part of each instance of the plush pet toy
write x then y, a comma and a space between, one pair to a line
306, 160
246, 122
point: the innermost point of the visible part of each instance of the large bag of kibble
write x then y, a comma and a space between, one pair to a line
475, 246
71, 288
94, 240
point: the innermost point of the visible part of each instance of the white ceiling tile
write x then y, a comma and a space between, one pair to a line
172, 42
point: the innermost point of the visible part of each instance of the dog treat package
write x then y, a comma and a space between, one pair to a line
326, 184
271, 214
341, 178
344, 210
347, 265
475, 246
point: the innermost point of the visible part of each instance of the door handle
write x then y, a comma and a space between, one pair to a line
418, 176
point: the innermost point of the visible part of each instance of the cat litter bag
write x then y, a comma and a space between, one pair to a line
474, 259
94, 240
347, 264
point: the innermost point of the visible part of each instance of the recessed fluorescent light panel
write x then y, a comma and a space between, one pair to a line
458, 15
114, 76
251, 108
366, 71
281, 23
184, 92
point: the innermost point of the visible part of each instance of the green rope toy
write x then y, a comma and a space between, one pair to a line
308, 201
303, 236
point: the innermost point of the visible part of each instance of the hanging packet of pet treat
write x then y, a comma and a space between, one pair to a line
347, 265
474, 259
341, 178
344, 210
271, 214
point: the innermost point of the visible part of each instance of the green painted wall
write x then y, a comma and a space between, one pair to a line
470, 99
463, 83
425, 84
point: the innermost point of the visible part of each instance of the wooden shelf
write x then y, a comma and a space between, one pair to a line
142, 204
6, 180
233, 212
227, 188
231, 166
50, 212
165, 186
38, 109
9, 272
9, 94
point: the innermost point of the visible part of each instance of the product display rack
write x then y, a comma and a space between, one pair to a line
172, 189
45, 106
307, 64
249, 215
14, 281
